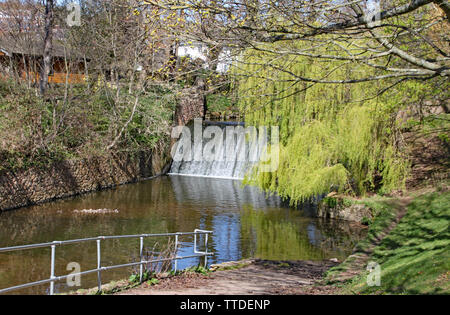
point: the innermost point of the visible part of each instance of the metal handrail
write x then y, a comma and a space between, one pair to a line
100, 268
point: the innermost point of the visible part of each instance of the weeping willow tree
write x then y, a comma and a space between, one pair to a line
333, 137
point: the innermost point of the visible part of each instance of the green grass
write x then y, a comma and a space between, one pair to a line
414, 256
218, 102
385, 210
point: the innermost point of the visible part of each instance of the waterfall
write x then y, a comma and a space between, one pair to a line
217, 150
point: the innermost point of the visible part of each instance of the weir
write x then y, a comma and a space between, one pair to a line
212, 149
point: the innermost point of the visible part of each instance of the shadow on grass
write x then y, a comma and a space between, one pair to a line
414, 257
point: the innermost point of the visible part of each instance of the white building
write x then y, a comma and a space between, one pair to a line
196, 51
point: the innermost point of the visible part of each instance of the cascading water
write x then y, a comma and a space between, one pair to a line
217, 149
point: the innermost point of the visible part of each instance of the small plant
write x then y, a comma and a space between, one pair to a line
133, 278
158, 258
198, 269
330, 202
347, 202
153, 281
146, 275
366, 221
174, 273
283, 265
444, 137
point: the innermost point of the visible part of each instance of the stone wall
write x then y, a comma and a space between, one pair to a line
341, 210
190, 105
73, 177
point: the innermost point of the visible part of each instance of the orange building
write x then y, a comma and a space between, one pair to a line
23, 59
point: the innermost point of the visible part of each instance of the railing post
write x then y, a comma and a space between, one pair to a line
141, 254
176, 252
206, 250
195, 241
99, 262
52, 270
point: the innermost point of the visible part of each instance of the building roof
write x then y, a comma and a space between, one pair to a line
32, 45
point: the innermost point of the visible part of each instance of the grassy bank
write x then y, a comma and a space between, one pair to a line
414, 256
80, 123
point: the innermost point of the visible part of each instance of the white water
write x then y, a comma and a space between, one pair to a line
233, 159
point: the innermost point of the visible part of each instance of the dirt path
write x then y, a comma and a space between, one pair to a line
257, 277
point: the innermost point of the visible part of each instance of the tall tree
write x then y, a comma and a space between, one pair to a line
48, 46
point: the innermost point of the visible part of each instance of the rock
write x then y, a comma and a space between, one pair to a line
232, 264
355, 212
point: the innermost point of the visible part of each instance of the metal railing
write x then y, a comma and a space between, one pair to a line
101, 268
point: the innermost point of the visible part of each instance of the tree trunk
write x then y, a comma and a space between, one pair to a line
48, 46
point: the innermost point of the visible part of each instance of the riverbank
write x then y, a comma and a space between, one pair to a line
408, 239
69, 178
410, 242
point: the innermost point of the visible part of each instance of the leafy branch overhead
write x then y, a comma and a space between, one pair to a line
400, 39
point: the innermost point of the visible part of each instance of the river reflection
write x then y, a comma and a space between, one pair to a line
246, 223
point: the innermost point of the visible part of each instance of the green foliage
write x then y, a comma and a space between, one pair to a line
198, 269
146, 275
330, 202
433, 123
134, 278
366, 221
151, 122
347, 202
153, 281
444, 137
219, 103
333, 137
36, 131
